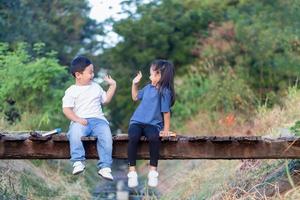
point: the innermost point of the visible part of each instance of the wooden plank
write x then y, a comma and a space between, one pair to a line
15, 137
180, 147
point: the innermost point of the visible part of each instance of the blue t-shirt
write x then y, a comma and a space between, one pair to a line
152, 106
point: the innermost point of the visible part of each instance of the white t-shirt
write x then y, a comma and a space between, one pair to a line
85, 100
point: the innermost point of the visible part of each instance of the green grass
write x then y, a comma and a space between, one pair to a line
201, 182
296, 128
37, 186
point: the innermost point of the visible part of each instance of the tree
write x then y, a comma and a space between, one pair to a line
268, 36
64, 26
160, 29
258, 40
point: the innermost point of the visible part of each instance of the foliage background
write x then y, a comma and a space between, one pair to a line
230, 56
237, 69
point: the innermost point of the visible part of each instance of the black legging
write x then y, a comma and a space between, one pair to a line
135, 131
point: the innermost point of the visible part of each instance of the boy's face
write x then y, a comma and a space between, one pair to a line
85, 77
154, 76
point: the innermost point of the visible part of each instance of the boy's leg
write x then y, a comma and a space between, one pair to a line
76, 131
152, 134
134, 135
101, 130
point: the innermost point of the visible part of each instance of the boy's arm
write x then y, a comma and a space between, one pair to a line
111, 90
110, 93
69, 113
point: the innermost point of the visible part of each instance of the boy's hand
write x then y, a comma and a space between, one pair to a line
138, 77
109, 80
82, 121
111, 90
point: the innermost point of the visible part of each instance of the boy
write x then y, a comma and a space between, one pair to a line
82, 105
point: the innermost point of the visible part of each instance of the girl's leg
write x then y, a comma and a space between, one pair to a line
134, 135
152, 134
76, 131
101, 130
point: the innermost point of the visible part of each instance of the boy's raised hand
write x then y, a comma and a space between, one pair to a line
109, 80
137, 78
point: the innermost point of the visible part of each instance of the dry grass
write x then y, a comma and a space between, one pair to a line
77, 188
66, 187
241, 194
3, 124
268, 121
227, 180
264, 122
292, 194
201, 182
224, 179
204, 124
172, 172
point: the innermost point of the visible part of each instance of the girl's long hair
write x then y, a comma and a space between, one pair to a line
167, 71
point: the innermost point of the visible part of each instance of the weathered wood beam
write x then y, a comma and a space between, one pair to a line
180, 147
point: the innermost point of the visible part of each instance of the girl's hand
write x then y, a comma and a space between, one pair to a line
109, 80
82, 121
138, 77
167, 134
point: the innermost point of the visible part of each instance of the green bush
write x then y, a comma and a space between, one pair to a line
31, 86
296, 128
223, 91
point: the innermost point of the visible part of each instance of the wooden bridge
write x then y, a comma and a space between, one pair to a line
24, 146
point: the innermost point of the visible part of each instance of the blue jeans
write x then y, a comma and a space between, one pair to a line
97, 128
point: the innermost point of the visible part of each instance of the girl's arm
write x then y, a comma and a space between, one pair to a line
111, 90
167, 123
69, 113
134, 92
134, 87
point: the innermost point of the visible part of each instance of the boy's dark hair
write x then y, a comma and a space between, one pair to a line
79, 64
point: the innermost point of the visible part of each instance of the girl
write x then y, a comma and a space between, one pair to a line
152, 117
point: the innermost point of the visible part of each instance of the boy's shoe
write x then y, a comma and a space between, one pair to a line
152, 178
78, 167
132, 179
106, 173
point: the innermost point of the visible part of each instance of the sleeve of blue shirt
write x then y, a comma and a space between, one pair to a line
165, 101
141, 93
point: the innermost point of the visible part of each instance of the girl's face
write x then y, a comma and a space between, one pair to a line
85, 77
154, 76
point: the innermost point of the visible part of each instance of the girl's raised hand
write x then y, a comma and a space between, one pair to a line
109, 80
138, 77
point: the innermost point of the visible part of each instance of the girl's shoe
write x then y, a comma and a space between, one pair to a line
152, 178
106, 173
132, 179
78, 167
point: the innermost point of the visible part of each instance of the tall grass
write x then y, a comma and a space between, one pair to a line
42, 180
247, 179
263, 121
